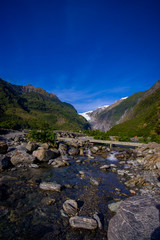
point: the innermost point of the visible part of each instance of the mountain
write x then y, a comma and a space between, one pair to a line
138, 115
89, 116
103, 118
144, 119
30, 107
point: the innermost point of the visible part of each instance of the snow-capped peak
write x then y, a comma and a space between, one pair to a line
124, 98
105, 106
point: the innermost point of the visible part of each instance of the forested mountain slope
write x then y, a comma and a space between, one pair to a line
30, 107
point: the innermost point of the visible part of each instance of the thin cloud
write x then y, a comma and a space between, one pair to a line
73, 95
84, 100
91, 105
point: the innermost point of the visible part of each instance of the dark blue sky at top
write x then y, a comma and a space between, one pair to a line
87, 52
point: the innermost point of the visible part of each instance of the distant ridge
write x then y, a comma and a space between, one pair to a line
31, 107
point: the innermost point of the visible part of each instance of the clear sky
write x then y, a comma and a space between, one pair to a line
87, 52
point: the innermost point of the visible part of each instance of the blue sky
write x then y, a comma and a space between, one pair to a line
87, 52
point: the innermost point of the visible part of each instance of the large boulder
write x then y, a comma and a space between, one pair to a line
3, 147
23, 158
136, 218
44, 155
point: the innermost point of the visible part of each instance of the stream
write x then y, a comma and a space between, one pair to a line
32, 213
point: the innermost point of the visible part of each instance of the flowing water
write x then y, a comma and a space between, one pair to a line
36, 214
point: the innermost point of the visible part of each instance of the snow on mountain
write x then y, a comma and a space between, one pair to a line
91, 115
124, 98
86, 115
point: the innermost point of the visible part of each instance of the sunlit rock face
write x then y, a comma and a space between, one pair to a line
100, 117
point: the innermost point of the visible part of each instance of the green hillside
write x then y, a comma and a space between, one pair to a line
31, 107
144, 120
118, 111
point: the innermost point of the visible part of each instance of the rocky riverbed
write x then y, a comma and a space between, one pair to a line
73, 190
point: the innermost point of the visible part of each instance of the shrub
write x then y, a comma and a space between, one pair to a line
42, 136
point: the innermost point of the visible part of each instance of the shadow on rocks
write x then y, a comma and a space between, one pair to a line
156, 234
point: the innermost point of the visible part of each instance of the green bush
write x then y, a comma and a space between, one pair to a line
42, 136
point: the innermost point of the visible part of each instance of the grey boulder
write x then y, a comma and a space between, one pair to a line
44, 155
22, 158
136, 219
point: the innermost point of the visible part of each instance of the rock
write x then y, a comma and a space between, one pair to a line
50, 161
120, 156
127, 166
3, 211
51, 186
136, 181
44, 155
48, 201
3, 148
18, 138
79, 161
158, 184
63, 214
113, 207
31, 146
83, 222
132, 191
89, 156
45, 146
81, 153
94, 182
121, 172
140, 154
122, 162
59, 163
70, 207
73, 151
94, 149
105, 167
65, 158
5, 163
21, 148
136, 219
63, 149
96, 217
158, 165
140, 160
22, 158
32, 165
82, 173
112, 165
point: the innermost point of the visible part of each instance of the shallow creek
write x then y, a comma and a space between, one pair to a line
36, 214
